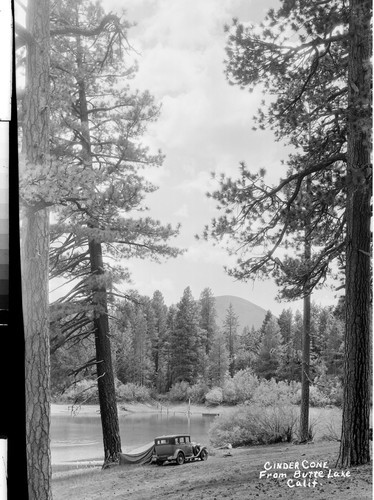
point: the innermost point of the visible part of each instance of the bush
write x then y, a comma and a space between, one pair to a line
245, 385
214, 396
316, 397
229, 392
180, 391
336, 394
254, 425
331, 387
197, 392
240, 387
132, 393
270, 392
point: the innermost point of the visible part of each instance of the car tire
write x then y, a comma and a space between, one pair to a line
180, 458
204, 455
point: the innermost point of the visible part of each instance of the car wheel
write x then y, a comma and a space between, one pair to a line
180, 458
204, 455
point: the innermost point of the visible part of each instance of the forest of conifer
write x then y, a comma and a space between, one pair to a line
180, 352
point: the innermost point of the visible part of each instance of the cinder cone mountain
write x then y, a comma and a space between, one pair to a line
249, 314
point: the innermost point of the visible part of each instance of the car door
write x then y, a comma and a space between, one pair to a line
164, 447
186, 446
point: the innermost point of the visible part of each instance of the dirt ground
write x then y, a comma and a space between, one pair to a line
233, 477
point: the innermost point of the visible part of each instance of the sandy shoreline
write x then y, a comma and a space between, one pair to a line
125, 408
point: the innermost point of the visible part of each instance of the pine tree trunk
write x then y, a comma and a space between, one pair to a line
354, 448
106, 386
35, 259
305, 375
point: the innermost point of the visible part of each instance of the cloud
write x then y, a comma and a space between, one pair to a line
203, 252
182, 212
156, 175
149, 286
171, 21
199, 181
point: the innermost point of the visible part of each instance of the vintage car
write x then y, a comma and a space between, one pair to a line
178, 448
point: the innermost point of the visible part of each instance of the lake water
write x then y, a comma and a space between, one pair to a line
76, 438
79, 437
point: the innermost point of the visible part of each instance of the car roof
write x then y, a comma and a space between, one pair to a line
173, 436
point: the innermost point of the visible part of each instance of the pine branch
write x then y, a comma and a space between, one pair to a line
91, 362
299, 176
297, 49
57, 345
74, 30
104, 109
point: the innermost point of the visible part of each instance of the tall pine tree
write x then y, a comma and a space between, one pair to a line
316, 53
186, 340
230, 331
97, 158
208, 317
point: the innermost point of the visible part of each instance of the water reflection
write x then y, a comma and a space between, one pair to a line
75, 438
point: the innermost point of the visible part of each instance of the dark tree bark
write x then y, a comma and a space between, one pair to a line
230, 330
354, 448
35, 258
107, 393
305, 366
304, 407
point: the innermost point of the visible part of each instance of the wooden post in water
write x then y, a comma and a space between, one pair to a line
189, 415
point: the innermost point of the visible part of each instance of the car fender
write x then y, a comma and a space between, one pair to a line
174, 456
201, 449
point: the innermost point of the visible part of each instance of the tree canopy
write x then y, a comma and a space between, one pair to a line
298, 56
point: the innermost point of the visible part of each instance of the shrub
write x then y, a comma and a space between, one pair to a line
131, 393
180, 391
316, 397
240, 387
214, 396
270, 392
245, 385
229, 392
331, 387
253, 425
336, 394
197, 392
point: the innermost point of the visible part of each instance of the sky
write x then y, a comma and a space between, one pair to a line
205, 125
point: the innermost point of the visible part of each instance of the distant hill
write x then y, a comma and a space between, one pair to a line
248, 313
